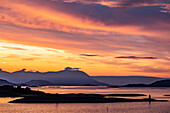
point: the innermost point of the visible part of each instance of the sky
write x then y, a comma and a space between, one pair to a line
102, 37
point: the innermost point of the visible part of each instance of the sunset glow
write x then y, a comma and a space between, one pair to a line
102, 37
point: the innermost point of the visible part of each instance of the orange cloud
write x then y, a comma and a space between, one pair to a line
59, 33
39, 17
13, 48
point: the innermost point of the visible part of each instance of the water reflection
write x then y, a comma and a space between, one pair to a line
127, 107
156, 93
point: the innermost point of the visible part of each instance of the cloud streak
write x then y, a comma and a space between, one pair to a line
13, 48
135, 57
88, 55
66, 30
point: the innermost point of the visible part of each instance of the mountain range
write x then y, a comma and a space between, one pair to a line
124, 80
70, 76
161, 83
5, 82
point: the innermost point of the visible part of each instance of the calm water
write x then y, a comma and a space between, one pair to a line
128, 107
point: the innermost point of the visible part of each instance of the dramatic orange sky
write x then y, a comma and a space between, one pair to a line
102, 37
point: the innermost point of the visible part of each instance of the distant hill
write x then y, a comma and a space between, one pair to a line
161, 83
5, 82
72, 76
38, 83
69, 76
124, 80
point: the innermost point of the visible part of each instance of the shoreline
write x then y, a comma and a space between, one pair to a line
32, 96
111, 100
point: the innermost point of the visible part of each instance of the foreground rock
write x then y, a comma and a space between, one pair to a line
11, 91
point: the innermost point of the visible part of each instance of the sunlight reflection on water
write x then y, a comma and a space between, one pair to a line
155, 92
126, 107
133, 107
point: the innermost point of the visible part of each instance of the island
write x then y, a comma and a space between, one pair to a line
31, 96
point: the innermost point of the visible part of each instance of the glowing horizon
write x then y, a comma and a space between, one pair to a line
102, 37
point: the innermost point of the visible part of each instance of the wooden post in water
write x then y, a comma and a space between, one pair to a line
107, 110
150, 98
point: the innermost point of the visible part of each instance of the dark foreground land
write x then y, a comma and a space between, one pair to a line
30, 96
78, 98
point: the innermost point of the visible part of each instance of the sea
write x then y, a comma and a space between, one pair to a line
118, 107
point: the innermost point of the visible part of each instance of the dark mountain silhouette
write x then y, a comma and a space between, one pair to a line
161, 83
69, 76
72, 76
5, 82
124, 80
38, 83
